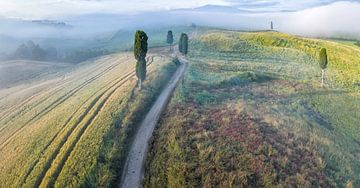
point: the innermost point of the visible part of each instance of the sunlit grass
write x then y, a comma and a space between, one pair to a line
253, 101
69, 134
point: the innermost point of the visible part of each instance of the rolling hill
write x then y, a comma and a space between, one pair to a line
250, 113
72, 127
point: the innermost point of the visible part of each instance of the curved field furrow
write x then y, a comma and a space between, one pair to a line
28, 172
50, 107
49, 93
54, 104
69, 132
20, 90
55, 154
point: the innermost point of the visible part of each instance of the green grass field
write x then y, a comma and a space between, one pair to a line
73, 129
250, 113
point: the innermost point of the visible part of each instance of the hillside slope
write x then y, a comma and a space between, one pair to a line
250, 113
73, 129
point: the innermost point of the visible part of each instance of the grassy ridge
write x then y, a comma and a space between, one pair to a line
344, 60
250, 113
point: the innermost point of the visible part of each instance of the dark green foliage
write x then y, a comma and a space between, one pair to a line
140, 45
176, 61
31, 51
170, 38
140, 50
245, 78
323, 59
183, 44
141, 69
357, 43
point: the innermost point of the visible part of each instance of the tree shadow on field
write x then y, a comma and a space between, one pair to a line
306, 110
232, 88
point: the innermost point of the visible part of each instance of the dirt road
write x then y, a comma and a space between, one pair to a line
134, 167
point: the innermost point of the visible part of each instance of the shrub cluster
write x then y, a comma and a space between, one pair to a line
176, 61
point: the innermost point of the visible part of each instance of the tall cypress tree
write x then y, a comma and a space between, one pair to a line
181, 42
185, 44
170, 39
323, 62
140, 51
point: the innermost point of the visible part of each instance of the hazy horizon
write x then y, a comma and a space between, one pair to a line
86, 19
60, 9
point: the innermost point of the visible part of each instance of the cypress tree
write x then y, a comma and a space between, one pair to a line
141, 71
170, 39
140, 50
185, 44
323, 62
181, 42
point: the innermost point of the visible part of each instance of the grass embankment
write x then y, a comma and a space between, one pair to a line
250, 113
72, 131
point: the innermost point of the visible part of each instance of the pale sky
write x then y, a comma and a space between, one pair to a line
39, 9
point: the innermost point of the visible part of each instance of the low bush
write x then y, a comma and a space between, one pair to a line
176, 61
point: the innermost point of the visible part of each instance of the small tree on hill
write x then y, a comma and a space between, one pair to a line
176, 61
170, 39
323, 64
140, 50
183, 44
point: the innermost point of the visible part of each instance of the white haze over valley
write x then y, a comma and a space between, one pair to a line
85, 19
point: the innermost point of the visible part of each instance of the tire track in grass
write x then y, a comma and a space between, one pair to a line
61, 99
24, 179
54, 105
21, 90
54, 90
63, 160
51, 92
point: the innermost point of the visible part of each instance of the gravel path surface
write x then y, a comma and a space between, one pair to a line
134, 167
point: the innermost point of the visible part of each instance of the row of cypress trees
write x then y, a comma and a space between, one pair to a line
141, 49
183, 42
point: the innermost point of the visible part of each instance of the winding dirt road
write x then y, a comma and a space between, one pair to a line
134, 166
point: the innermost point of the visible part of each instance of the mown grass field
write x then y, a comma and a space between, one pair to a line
73, 129
250, 113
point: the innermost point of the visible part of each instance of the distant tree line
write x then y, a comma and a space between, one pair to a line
32, 51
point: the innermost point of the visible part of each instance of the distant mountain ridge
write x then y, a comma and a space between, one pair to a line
54, 23
216, 8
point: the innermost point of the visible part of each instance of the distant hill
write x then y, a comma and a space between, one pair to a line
51, 23
217, 8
